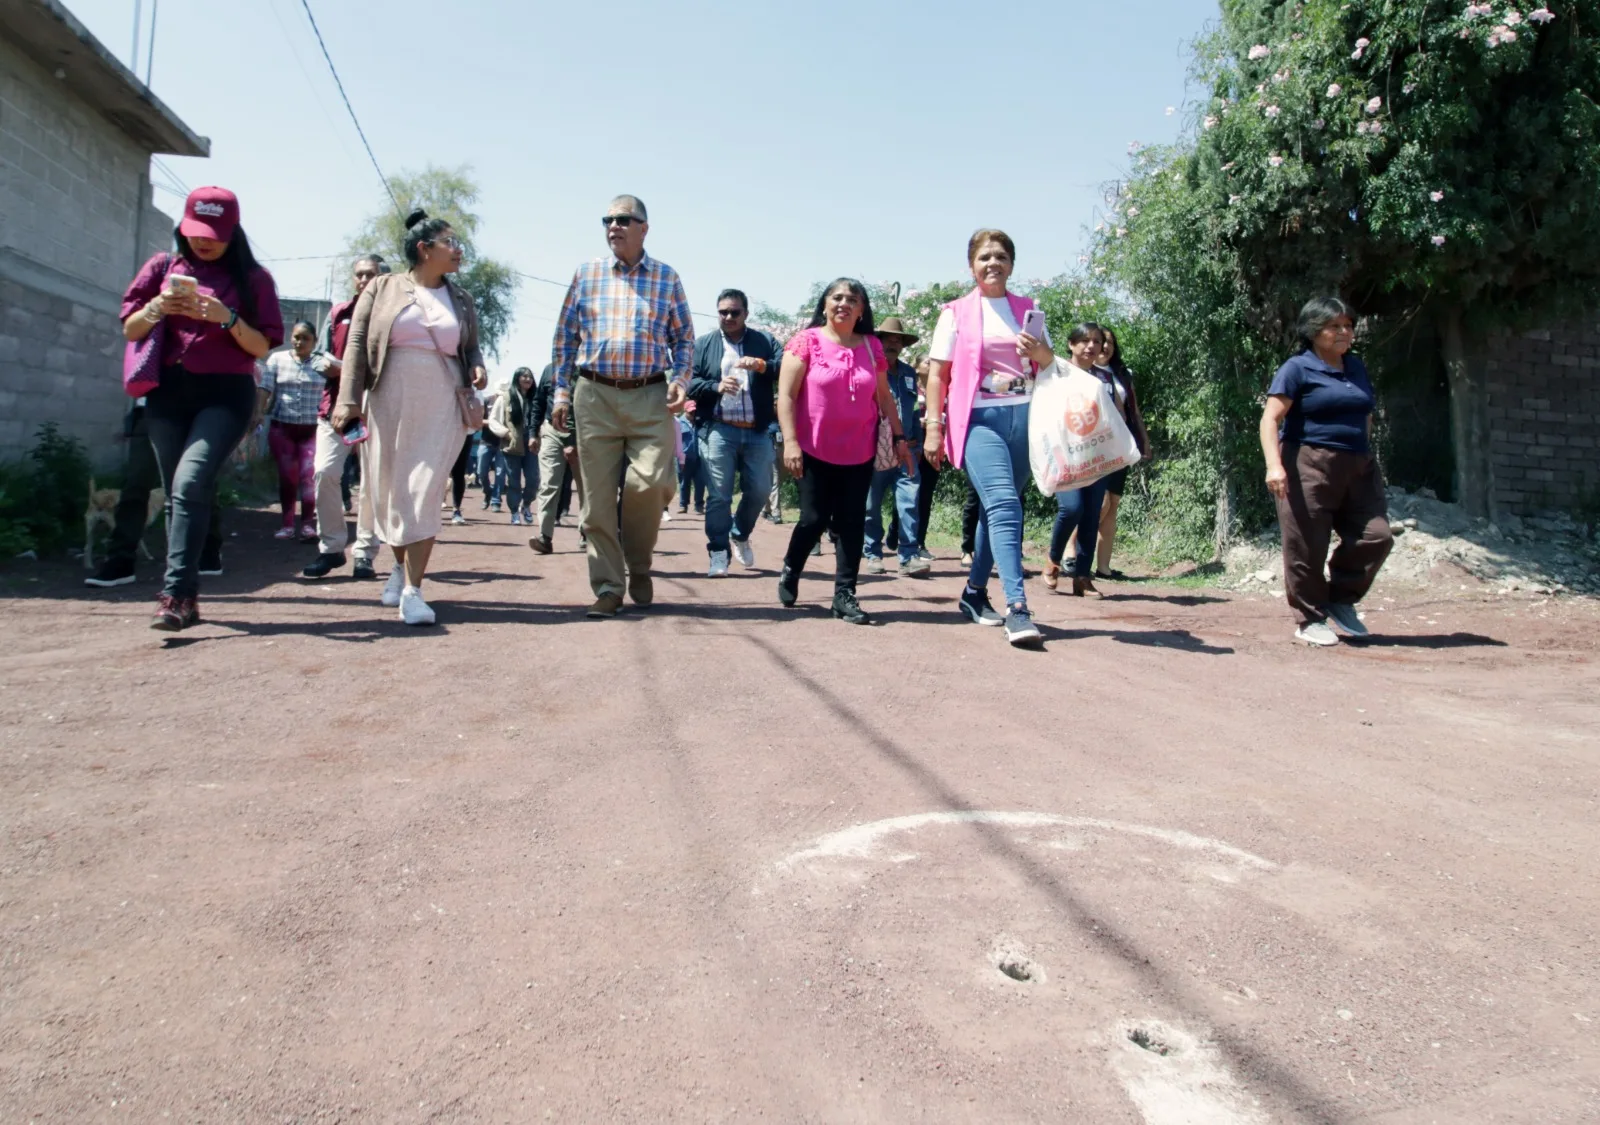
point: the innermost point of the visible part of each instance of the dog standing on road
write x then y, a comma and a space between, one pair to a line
102, 511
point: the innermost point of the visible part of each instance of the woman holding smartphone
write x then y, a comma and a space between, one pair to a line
987, 349
219, 313
413, 344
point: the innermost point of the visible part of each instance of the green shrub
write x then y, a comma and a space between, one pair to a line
42, 497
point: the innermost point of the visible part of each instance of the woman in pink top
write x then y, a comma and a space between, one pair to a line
832, 388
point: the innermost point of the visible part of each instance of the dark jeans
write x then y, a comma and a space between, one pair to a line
692, 475
927, 482
521, 475
195, 422
140, 477
971, 513
831, 497
351, 474
458, 473
1079, 508
1331, 490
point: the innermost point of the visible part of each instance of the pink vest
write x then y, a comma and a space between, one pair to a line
966, 366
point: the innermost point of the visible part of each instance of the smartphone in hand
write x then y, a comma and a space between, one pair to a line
182, 283
354, 432
1033, 323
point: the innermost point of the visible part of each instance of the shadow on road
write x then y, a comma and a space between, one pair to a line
1169, 599
1179, 639
1253, 1065
1427, 640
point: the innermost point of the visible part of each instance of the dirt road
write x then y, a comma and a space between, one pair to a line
724, 862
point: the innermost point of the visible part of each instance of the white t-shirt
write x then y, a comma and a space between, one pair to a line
1005, 378
735, 406
434, 308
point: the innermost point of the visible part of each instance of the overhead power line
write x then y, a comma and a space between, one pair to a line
306, 4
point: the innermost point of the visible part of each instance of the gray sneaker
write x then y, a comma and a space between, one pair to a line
1343, 617
874, 565
915, 567
1317, 633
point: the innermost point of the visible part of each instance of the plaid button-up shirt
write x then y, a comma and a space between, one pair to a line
624, 323
295, 388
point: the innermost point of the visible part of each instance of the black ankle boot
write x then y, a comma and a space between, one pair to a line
788, 587
846, 608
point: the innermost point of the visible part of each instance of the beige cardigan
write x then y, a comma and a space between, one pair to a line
368, 343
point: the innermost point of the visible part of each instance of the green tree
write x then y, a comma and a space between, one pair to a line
447, 193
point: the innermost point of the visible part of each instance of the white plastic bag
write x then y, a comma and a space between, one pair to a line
1076, 434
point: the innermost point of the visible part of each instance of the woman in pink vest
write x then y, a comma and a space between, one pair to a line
832, 387
980, 376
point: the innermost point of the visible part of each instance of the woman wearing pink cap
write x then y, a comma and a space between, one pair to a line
219, 312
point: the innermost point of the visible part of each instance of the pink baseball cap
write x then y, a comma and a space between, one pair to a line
210, 212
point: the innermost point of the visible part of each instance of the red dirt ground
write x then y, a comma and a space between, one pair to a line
305, 864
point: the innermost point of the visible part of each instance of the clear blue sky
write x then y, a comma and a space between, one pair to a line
775, 144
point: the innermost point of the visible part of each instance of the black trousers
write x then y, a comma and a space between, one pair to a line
971, 512
458, 472
831, 496
140, 477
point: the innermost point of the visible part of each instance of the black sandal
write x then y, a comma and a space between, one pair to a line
1111, 575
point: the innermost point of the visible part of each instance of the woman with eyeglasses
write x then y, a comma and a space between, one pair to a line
413, 343
218, 312
1078, 509
290, 395
980, 383
833, 386
1316, 437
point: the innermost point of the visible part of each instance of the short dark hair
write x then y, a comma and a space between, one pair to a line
1083, 331
420, 229
307, 325
734, 295
819, 316
990, 234
635, 205
376, 260
1316, 314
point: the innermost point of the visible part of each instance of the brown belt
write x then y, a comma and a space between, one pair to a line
621, 384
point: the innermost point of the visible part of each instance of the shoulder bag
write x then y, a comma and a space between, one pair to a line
470, 405
141, 359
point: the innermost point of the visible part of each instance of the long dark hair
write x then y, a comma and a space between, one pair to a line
1116, 363
864, 326
519, 401
420, 229
241, 263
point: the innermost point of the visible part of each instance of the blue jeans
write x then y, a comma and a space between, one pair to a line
691, 475
1079, 509
905, 505
727, 452
521, 476
996, 460
490, 458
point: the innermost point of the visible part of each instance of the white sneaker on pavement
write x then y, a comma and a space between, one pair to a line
719, 565
666, 515
1317, 633
744, 553
413, 610
392, 588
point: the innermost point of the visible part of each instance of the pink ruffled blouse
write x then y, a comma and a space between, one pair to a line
836, 411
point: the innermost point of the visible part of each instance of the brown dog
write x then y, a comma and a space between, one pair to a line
102, 511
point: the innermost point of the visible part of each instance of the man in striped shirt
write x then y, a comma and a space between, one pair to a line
623, 347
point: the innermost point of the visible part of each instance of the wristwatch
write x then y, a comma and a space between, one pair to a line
233, 318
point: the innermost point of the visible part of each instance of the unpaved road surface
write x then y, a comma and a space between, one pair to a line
723, 862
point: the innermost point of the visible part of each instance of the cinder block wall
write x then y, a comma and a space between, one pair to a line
72, 189
1544, 419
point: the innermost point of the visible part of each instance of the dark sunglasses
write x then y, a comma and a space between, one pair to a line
730, 312
620, 220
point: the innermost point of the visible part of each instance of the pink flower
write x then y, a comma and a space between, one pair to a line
1436, 196
1210, 122
1133, 212
1335, 90
1513, 18
1505, 33
1361, 48
1374, 105
1232, 199
1121, 231
1408, 87
1437, 240
1319, 124
1261, 89
1228, 167
1260, 51
1282, 75
1083, 259
1272, 111
1466, 33
1361, 127
1541, 15
1275, 160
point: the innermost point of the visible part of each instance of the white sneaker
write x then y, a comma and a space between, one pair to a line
413, 610
666, 515
392, 588
1317, 633
719, 565
744, 553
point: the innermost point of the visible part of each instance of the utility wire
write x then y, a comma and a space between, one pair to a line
306, 4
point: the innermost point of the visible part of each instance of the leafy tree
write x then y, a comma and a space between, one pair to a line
448, 193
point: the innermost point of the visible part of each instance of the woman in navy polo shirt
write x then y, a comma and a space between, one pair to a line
1316, 435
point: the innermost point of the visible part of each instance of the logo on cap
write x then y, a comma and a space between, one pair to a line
209, 209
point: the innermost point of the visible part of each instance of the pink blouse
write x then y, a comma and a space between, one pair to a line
836, 411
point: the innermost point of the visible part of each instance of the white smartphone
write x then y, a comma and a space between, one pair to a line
182, 283
1033, 323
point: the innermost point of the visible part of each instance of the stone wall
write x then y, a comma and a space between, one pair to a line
75, 224
1544, 419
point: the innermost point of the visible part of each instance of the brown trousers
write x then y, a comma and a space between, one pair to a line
1330, 490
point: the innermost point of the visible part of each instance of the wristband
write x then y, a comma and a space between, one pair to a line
900, 438
233, 318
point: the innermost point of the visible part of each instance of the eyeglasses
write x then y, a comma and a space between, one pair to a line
449, 242
730, 312
620, 220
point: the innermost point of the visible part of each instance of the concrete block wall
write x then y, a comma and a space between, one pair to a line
1544, 419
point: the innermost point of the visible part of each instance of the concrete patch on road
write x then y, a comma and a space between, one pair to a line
863, 841
1176, 1077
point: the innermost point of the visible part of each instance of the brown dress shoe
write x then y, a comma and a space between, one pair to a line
641, 589
1052, 574
606, 605
1084, 588
540, 545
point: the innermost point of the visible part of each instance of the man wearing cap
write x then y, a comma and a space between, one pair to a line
734, 388
894, 336
623, 346
332, 452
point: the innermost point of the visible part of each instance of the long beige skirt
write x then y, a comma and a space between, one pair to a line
416, 437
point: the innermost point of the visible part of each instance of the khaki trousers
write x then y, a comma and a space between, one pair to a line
1330, 490
625, 441
332, 532
553, 445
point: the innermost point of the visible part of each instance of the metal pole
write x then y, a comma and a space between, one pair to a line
133, 53
150, 52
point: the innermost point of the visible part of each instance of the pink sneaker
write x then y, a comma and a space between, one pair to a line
284, 532
308, 532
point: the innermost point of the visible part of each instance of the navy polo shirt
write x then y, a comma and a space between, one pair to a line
1328, 408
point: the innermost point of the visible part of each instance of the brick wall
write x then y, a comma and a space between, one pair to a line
75, 223
1544, 418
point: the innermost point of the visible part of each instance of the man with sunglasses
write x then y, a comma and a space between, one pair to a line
623, 346
734, 387
332, 453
